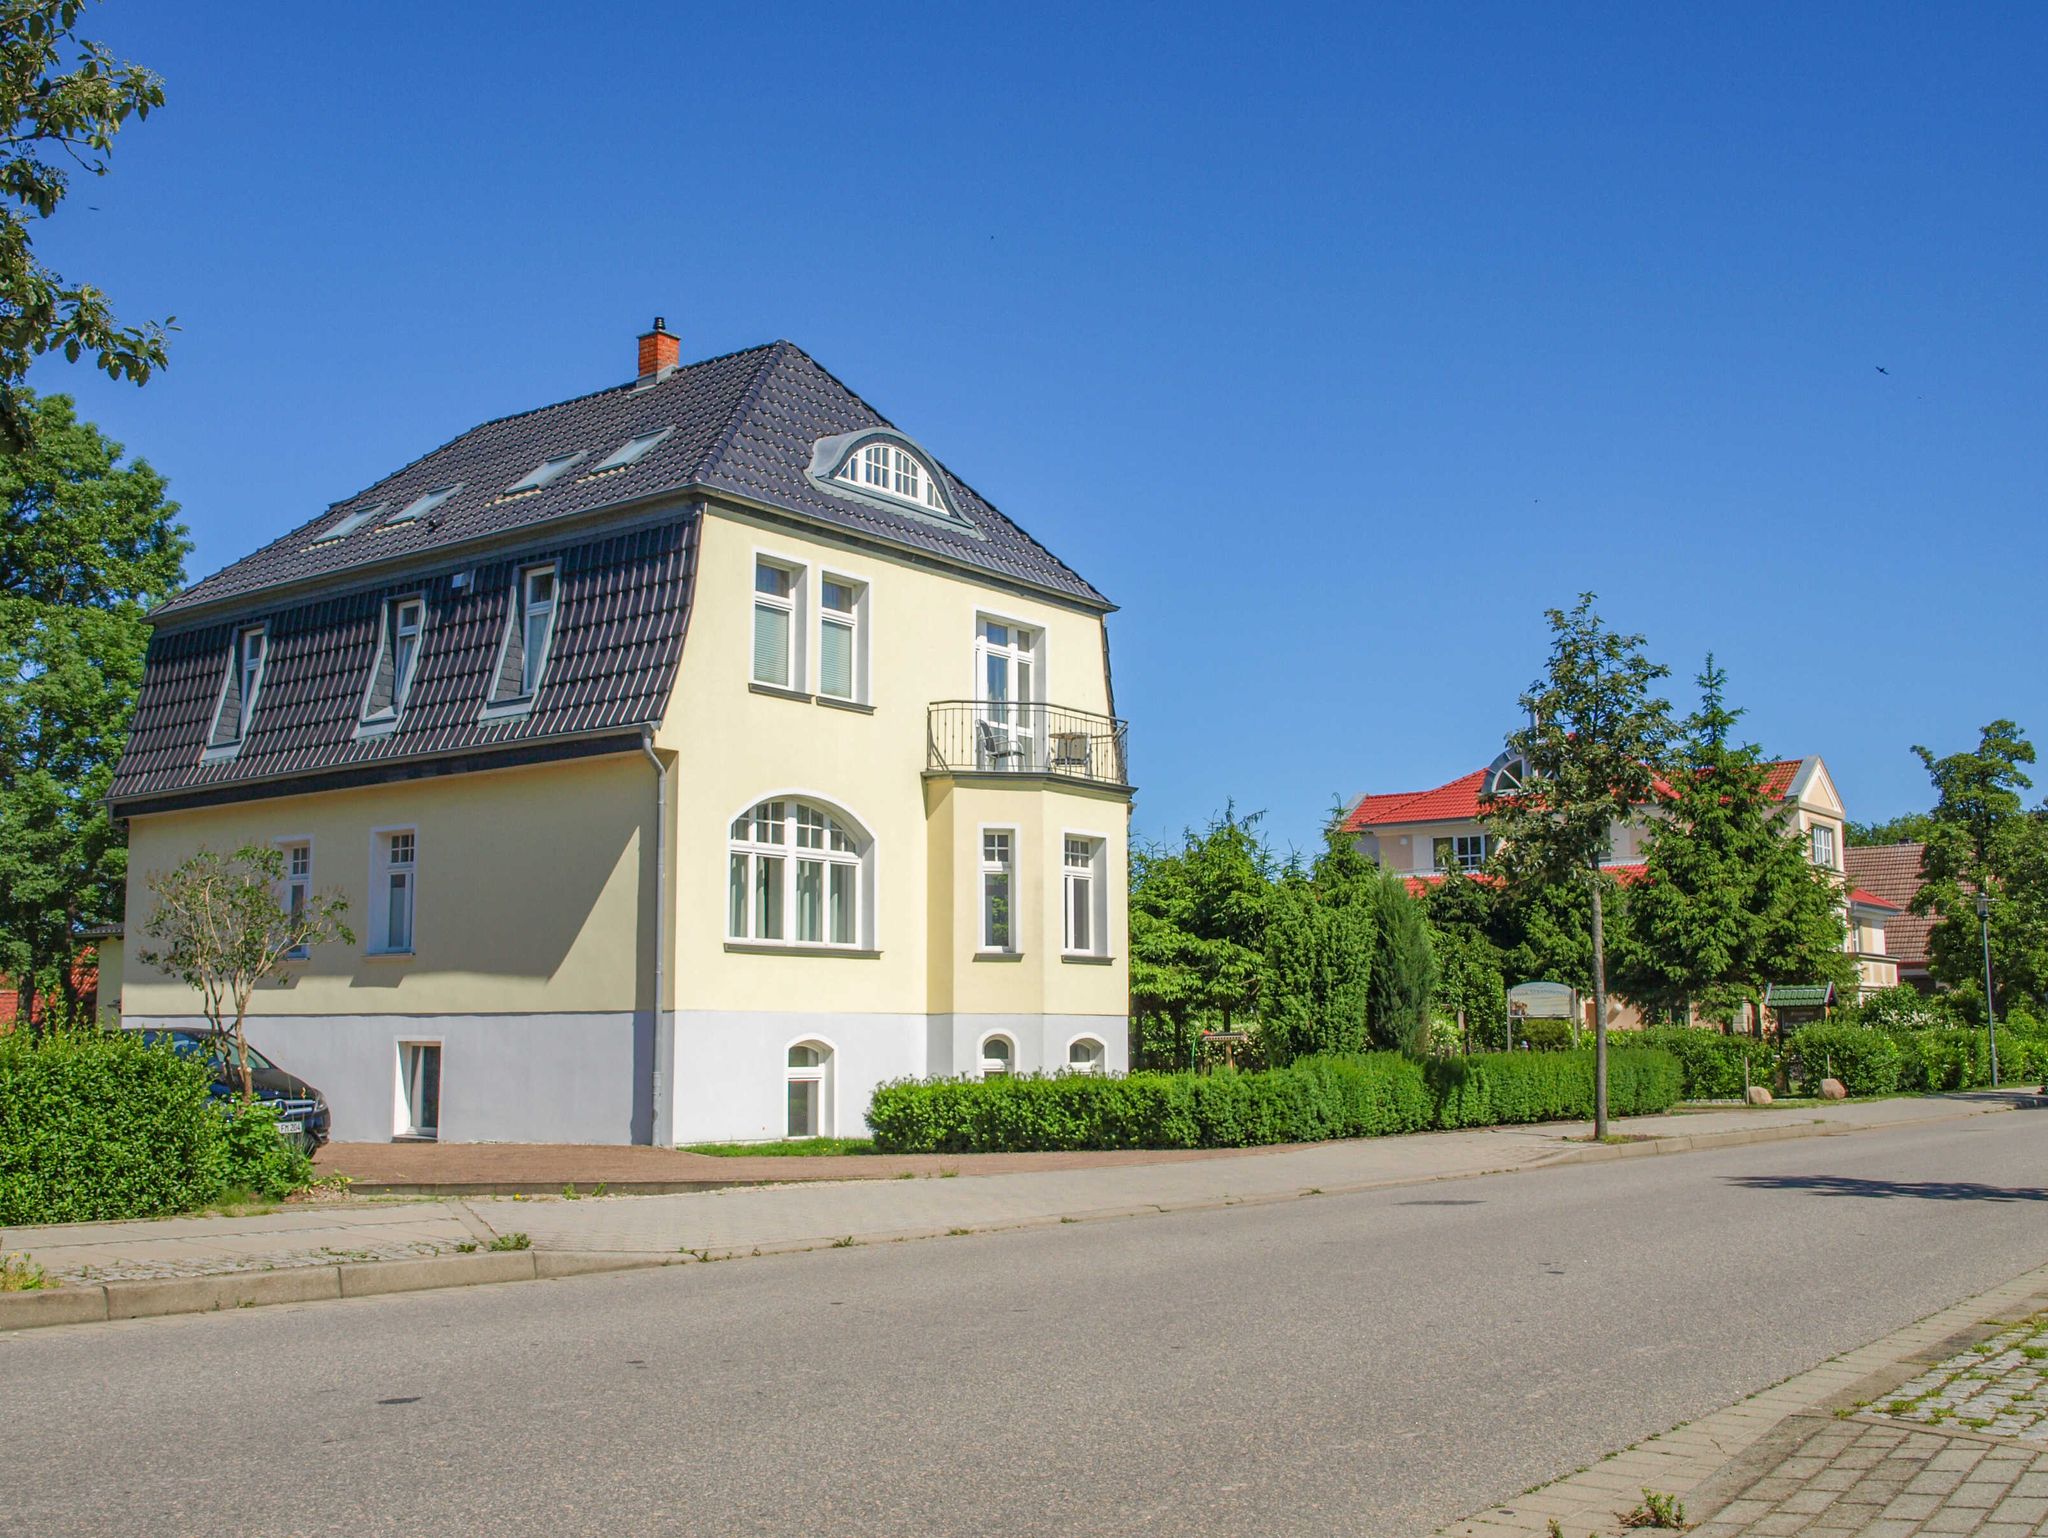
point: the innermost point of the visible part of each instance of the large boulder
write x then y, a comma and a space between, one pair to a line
1758, 1095
1832, 1089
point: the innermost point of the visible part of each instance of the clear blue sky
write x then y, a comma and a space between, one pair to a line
1333, 345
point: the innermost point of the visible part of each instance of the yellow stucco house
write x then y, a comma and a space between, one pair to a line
1422, 833
693, 756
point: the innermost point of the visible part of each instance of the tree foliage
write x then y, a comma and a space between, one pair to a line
1198, 921
1320, 929
1403, 969
63, 99
219, 927
1728, 901
1906, 828
1982, 838
86, 543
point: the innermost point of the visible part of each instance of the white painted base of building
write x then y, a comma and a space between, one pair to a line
589, 1078
504, 1078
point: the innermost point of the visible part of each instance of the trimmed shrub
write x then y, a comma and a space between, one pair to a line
1545, 1035
1867, 1062
1959, 1058
259, 1158
1711, 1062
1310, 1100
96, 1126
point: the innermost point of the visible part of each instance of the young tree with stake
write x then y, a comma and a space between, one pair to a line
1592, 753
220, 928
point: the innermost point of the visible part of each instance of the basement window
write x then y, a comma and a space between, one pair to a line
632, 451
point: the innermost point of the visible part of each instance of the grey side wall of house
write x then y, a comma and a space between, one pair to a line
538, 1078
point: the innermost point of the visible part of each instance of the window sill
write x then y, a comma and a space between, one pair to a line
382, 727
774, 948
225, 753
1086, 959
856, 706
998, 955
507, 710
776, 691
387, 955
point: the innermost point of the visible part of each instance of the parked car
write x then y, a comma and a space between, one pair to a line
301, 1109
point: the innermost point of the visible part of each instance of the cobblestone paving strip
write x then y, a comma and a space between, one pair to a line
1999, 1388
223, 1265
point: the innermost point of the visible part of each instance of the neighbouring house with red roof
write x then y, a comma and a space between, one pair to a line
1890, 873
1423, 833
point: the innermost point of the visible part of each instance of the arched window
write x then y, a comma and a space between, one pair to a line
797, 875
1506, 774
998, 1057
810, 1103
1085, 1055
893, 471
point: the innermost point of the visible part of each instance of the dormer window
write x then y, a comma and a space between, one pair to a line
398, 657
527, 635
881, 466
894, 472
238, 695
422, 505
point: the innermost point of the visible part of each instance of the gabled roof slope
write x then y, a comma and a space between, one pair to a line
742, 423
1892, 872
1458, 800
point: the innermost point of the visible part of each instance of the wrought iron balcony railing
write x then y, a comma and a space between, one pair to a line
1011, 737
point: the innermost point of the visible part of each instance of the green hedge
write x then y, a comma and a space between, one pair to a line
1310, 1100
94, 1126
1958, 1058
1866, 1062
1711, 1061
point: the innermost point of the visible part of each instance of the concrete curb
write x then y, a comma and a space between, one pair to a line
105, 1301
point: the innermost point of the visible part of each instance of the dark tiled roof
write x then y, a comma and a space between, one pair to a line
1892, 871
622, 611
743, 423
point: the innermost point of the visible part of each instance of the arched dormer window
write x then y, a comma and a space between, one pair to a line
882, 466
1506, 775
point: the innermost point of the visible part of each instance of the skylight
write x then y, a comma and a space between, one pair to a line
350, 522
543, 473
632, 451
422, 505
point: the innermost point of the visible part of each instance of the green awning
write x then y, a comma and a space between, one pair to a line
1799, 995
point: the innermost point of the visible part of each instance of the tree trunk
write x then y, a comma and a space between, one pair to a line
1599, 1018
25, 1003
242, 1055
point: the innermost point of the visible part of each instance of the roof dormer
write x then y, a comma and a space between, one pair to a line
880, 465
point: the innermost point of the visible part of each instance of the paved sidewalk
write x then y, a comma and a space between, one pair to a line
815, 1213
504, 1169
1873, 1443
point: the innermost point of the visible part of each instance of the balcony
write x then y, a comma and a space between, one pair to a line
1008, 737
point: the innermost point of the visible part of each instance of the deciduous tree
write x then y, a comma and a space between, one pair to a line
1198, 917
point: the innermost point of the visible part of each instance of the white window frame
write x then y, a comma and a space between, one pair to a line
854, 620
1018, 719
401, 680
1815, 834
382, 867
793, 854
1097, 875
985, 946
522, 609
823, 1075
794, 609
295, 885
1099, 1066
884, 468
401, 1109
1467, 850
251, 686
1002, 1067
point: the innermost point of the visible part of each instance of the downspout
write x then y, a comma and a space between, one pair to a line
660, 1114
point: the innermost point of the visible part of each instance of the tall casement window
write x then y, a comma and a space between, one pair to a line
842, 661
1006, 686
1082, 904
394, 891
398, 656
528, 632
238, 696
1467, 851
1823, 845
775, 625
795, 876
998, 877
298, 885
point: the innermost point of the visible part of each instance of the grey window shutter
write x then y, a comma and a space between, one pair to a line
512, 669
227, 725
382, 682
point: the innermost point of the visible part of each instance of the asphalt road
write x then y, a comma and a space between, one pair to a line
1373, 1364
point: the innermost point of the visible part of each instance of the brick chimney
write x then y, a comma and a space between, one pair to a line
660, 350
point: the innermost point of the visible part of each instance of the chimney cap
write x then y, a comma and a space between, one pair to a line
660, 327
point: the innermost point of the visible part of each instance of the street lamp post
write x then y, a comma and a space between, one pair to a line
1990, 1010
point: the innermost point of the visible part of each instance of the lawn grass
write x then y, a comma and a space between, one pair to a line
799, 1145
